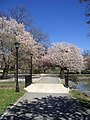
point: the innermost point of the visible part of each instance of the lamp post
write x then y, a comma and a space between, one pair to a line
31, 67
17, 46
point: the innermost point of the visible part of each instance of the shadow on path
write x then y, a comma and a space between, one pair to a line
50, 108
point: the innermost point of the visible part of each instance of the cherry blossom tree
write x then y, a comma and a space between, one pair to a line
86, 55
10, 32
45, 62
66, 56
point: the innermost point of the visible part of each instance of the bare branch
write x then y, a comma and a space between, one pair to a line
21, 15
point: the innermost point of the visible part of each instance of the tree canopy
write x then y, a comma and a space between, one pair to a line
67, 56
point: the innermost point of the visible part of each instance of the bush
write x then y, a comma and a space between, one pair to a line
36, 71
86, 72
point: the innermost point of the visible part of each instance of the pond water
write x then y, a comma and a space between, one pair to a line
84, 86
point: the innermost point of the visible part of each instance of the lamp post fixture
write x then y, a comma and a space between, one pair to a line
17, 46
31, 67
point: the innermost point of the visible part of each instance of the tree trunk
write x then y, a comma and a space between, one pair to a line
5, 72
66, 78
39, 68
62, 73
15, 72
44, 70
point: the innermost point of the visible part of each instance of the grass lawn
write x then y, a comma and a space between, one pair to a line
80, 96
8, 94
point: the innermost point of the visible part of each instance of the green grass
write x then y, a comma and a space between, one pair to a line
9, 72
82, 75
80, 96
8, 95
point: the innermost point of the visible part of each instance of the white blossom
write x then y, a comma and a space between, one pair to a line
66, 55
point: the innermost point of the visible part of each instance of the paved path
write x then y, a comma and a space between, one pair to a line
48, 85
47, 104
49, 80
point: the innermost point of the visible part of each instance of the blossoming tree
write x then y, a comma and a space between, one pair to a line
11, 32
66, 56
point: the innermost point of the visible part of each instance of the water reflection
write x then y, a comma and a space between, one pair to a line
84, 86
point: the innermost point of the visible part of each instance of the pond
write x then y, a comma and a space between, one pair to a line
84, 86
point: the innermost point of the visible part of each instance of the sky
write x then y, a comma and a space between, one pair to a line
63, 20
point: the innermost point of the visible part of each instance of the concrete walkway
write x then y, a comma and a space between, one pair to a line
48, 85
47, 88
